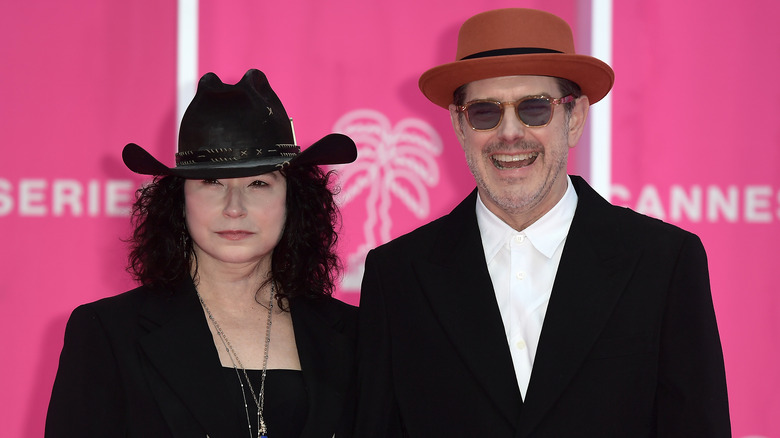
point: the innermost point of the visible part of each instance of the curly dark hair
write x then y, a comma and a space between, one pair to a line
304, 262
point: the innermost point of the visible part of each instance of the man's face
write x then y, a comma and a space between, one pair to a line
520, 171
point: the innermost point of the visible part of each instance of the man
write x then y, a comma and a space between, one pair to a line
535, 308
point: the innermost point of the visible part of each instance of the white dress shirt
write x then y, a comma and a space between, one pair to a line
522, 266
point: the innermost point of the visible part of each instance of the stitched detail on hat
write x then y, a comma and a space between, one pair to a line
224, 155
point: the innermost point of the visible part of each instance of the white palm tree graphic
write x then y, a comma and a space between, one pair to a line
392, 162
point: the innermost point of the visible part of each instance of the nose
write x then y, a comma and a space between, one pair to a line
511, 128
234, 203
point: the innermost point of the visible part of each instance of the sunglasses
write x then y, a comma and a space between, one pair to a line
533, 111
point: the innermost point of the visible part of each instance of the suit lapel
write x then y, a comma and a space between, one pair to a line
326, 356
594, 269
184, 369
457, 284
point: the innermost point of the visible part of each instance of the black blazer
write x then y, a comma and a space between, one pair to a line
629, 345
144, 364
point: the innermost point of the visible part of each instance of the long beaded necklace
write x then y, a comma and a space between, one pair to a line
262, 430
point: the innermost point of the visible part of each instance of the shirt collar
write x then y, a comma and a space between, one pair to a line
546, 234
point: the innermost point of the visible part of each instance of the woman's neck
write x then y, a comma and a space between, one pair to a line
233, 285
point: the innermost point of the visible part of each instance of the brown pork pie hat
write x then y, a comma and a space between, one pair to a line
233, 131
516, 41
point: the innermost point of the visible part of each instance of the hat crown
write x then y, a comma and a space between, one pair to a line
512, 42
245, 115
234, 131
514, 28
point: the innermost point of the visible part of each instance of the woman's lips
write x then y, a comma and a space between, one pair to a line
234, 234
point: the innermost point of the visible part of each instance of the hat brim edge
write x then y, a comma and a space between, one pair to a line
331, 149
594, 77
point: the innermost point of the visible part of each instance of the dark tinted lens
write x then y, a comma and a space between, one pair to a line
484, 115
534, 112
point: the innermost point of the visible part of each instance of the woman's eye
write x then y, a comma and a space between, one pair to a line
258, 183
211, 181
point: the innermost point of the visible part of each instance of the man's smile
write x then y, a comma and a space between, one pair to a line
513, 161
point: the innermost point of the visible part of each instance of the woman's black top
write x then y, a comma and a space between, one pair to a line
285, 406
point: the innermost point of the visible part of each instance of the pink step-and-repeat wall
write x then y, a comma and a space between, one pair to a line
695, 141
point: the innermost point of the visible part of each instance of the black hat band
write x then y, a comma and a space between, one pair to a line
510, 51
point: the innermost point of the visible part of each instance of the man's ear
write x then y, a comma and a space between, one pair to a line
577, 119
458, 124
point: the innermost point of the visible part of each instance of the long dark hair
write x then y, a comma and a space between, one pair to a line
304, 262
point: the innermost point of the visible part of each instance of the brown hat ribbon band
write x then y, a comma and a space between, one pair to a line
510, 51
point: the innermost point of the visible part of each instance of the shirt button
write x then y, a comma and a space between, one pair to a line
521, 275
520, 238
520, 344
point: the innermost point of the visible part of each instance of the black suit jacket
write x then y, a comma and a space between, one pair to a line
144, 364
629, 345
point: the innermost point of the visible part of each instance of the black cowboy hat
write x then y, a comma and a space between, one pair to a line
233, 131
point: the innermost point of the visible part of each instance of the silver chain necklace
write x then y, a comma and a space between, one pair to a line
262, 430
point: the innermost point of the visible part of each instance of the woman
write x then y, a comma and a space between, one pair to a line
233, 332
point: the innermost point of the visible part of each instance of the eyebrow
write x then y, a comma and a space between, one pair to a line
275, 174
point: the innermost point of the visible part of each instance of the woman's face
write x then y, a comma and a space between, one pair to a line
236, 221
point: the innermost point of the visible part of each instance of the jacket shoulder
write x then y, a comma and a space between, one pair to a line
414, 238
123, 301
597, 216
461, 220
117, 313
648, 230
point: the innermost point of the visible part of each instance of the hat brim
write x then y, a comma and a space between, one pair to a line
331, 149
594, 77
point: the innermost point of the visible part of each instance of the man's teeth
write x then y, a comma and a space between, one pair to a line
519, 157
503, 161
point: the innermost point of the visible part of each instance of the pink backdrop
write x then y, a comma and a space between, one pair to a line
82, 78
